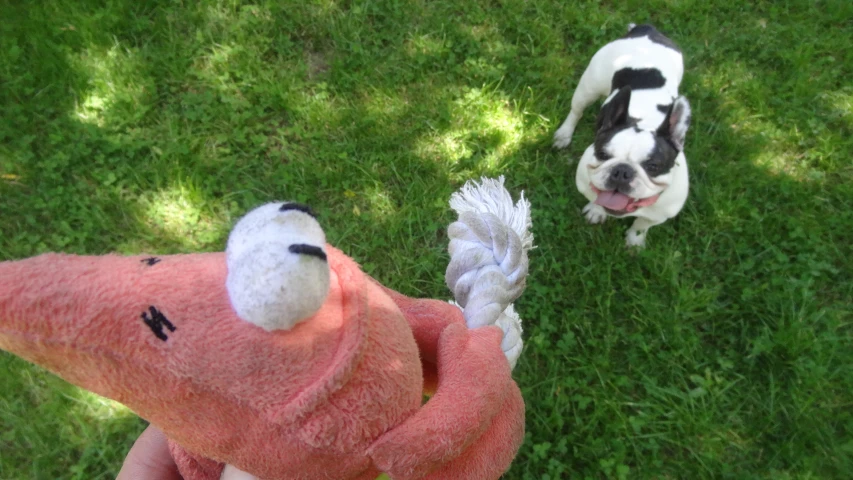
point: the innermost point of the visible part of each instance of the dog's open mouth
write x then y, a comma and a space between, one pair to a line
619, 203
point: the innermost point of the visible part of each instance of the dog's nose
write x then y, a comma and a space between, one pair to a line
621, 175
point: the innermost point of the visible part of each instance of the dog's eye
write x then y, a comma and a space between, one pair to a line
601, 155
653, 169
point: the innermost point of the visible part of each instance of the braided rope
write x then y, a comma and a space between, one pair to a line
488, 257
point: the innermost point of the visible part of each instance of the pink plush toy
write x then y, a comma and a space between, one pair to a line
281, 359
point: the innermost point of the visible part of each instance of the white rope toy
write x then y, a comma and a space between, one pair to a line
488, 258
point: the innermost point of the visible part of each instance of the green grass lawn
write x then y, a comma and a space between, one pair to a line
724, 350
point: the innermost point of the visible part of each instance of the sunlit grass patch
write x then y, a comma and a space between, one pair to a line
379, 202
182, 216
99, 408
426, 44
484, 131
389, 106
776, 145
116, 84
841, 102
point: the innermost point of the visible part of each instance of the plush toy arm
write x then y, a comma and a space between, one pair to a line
491, 456
473, 425
428, 319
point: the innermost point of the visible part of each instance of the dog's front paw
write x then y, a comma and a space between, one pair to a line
594, 213
635, 238
561, 140
563, 137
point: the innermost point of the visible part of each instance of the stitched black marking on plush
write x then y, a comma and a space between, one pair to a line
298, 207
156, 322
151, 261
311, 250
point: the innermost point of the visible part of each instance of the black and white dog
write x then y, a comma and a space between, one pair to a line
636, 167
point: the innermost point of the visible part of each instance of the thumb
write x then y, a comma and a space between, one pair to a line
149, 458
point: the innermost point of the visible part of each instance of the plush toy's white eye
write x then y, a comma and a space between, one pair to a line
278, 273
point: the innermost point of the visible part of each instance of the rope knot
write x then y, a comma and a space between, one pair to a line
488, 257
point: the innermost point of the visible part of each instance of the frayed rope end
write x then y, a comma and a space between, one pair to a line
490, 196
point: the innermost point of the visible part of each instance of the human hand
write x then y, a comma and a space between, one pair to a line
149, 458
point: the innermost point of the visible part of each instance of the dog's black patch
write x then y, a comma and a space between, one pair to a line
600, 154
151, 261
612, 119
614, 112
664, 109
665, 130
298, 207
662, 158
304, 249
637, 79
654, 35
156, 322
603, 138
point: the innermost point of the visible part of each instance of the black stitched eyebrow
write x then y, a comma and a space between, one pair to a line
151, 261
297, 206
305, 249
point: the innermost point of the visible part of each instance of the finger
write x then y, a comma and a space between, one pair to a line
149, 458
233, 473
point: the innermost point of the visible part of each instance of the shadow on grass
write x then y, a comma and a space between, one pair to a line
165, 124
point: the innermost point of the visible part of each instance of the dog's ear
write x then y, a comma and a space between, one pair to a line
615, 111
676, 123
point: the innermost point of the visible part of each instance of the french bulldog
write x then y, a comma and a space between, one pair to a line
636, 166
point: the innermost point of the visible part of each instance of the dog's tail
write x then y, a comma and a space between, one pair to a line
631, 26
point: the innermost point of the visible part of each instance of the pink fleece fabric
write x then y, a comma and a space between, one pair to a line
337, 397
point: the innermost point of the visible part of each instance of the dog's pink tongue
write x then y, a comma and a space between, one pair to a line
613, 200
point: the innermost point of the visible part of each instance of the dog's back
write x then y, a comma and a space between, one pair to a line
647, 61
